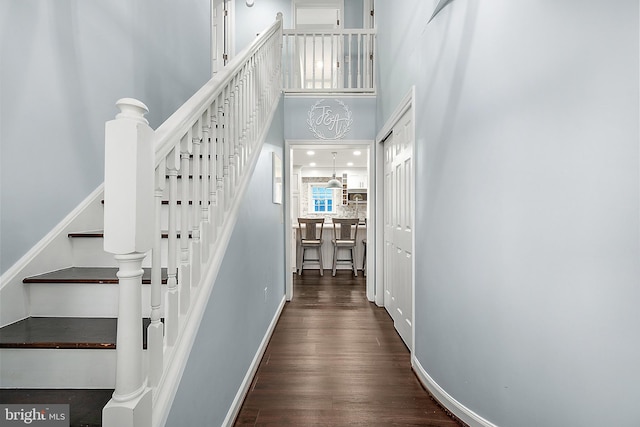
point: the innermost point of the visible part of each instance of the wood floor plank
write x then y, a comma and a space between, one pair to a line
335, 359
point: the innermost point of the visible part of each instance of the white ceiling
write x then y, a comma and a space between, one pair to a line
323, 157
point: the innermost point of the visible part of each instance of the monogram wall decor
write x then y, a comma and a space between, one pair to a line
326, 124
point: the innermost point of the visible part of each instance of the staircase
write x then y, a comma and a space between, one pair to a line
140, 255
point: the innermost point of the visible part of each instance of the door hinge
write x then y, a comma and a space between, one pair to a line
226, 12
371, 12
338, 22
225, 56
338, 64
371, 56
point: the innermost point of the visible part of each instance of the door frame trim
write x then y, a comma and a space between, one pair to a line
406, 104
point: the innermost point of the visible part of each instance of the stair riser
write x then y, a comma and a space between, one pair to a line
89, 252
81, 299
59, 368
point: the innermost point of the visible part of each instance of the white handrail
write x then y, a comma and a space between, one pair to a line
211, 143
179, 122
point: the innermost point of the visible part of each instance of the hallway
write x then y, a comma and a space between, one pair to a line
334, 360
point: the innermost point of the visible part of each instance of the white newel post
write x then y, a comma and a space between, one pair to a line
128, 234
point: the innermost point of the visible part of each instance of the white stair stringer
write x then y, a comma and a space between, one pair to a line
52, 252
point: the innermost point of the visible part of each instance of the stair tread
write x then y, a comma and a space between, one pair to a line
100, 234
87, 275
96, 233
64, 333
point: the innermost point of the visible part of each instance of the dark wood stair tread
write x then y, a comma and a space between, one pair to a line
87, 275
179, 202
93, 234
64, 332
179, 176
100, 234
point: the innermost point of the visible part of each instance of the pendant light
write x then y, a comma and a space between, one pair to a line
333, 182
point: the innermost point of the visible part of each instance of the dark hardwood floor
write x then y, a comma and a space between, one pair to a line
335, 360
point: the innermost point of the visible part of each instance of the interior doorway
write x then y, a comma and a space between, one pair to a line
359, 179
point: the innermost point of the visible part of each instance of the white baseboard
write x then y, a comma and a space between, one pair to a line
253, 368
452, 405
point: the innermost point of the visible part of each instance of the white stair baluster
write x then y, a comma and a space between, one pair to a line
173, 307
236, 130
220, 194
204, 182
196, 264
155, 330
226, 152
232, 140
350, 73
238, 124
251, 97
213, 214
184, 278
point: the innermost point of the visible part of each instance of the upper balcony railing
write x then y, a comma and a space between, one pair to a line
328, 61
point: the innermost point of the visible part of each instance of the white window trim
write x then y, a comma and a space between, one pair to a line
335, 200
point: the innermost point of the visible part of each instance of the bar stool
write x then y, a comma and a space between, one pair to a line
344, 237
309, 237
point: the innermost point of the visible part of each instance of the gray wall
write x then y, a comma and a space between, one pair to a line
527, 204
64, 65
252, 20
237, 316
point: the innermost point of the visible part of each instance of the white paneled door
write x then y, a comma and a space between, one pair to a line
398, 226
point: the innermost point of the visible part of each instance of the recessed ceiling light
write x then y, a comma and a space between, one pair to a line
356, 153
312, 164
350, 164
311, 152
